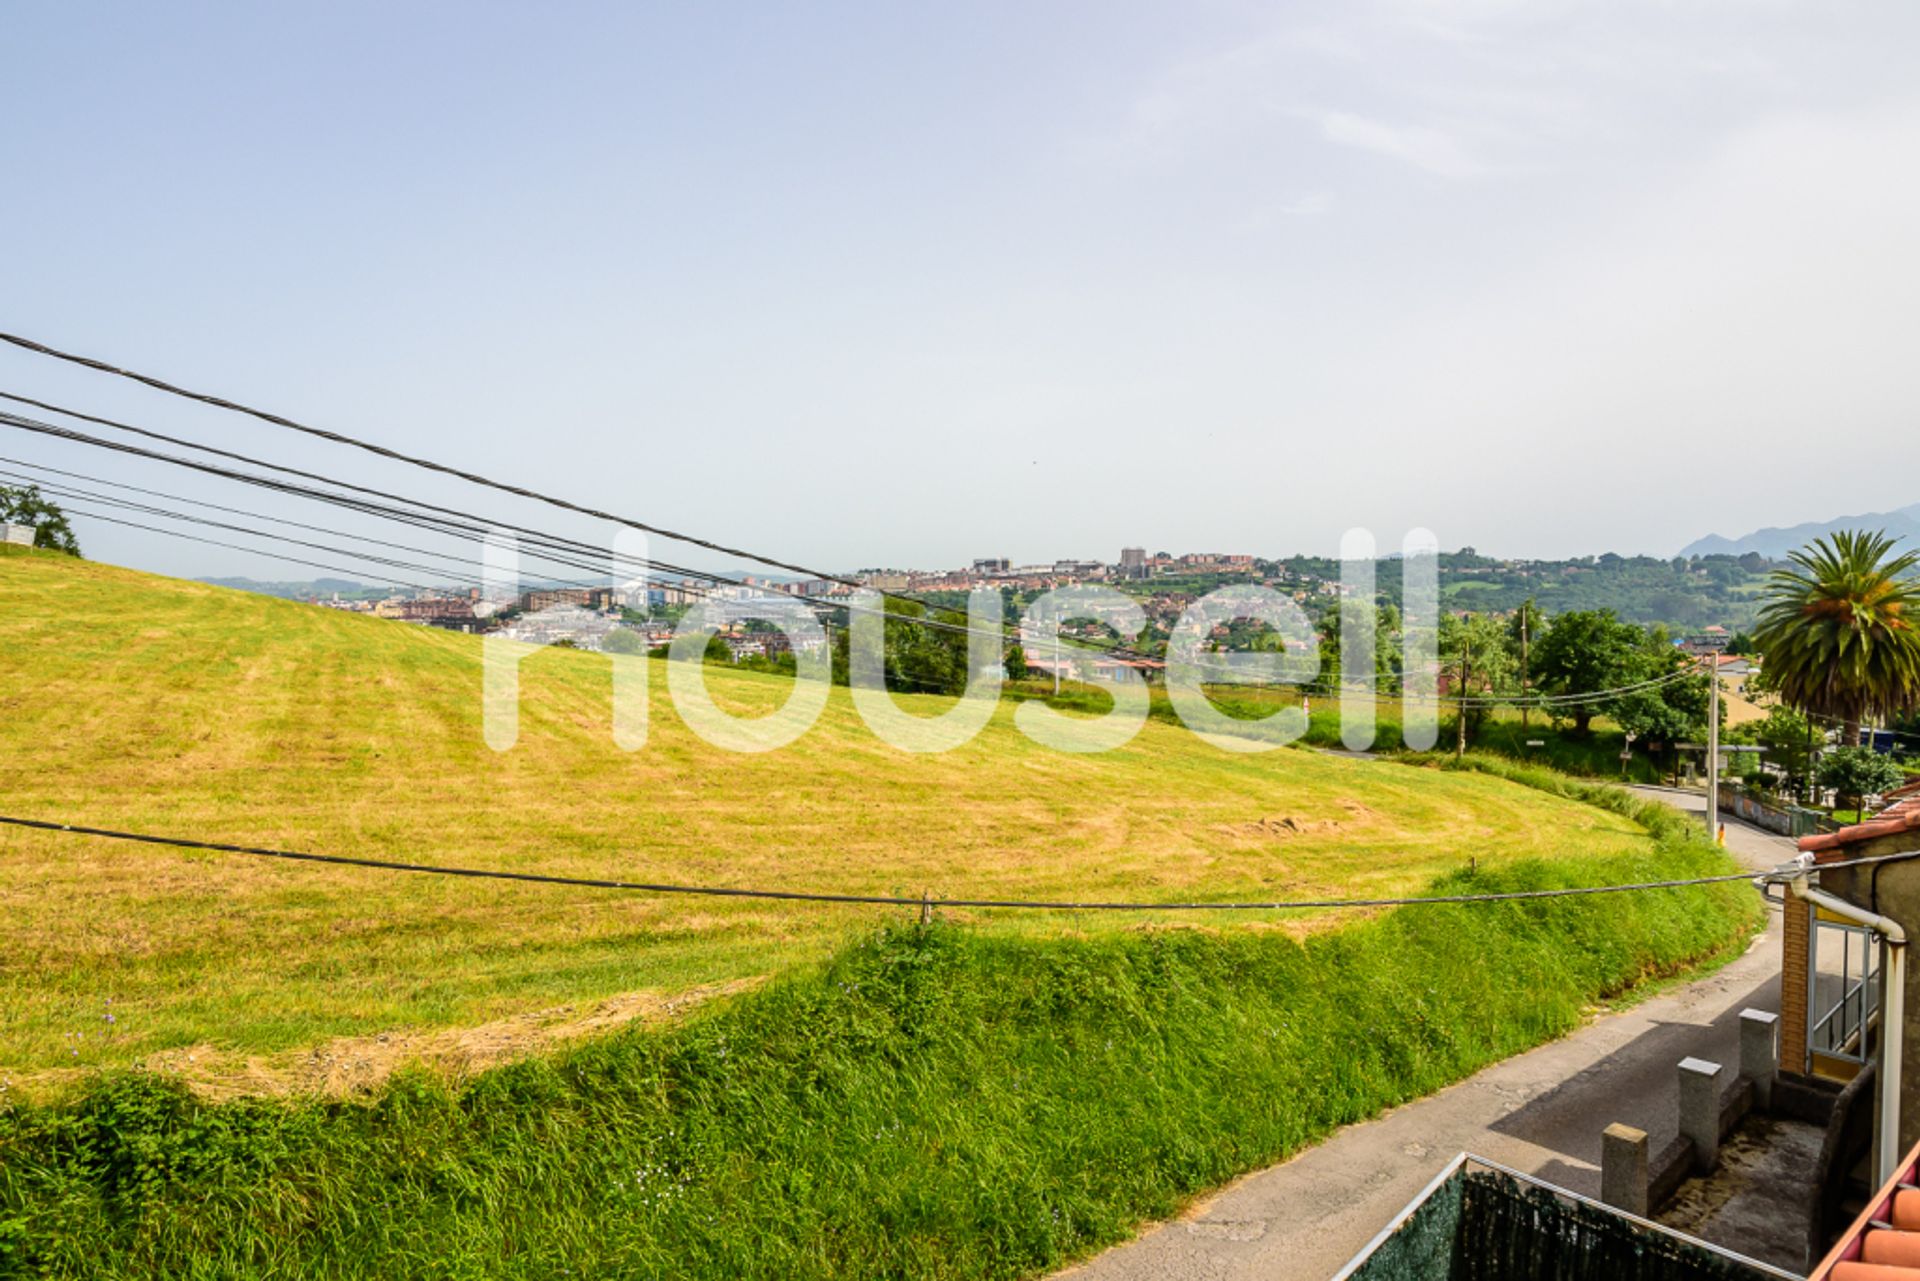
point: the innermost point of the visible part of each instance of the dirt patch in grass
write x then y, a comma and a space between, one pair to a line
349, 1065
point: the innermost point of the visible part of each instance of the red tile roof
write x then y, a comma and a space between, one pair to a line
1901, 816
1884, 1242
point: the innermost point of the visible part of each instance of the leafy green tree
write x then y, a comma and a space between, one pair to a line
1674, 710
1586, 651
1474, 650
28, 506
1836, 630
918, 659
1016, 662
1789, 738
1387, 643
1644, 714
1859, 772
624, 640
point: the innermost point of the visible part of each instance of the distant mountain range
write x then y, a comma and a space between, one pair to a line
1775, 543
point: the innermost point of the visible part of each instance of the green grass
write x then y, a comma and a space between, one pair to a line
933, 1102
147, 704
987, 1096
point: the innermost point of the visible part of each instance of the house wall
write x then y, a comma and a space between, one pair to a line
1897, 895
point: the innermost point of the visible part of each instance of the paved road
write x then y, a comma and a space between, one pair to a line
1541, 1112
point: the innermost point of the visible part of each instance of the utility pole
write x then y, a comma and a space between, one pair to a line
1460, 716
1526, 617
1713, 749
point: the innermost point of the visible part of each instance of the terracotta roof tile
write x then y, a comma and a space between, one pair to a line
1890, 822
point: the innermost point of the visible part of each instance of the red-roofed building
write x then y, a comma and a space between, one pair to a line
1830, 971
1884, 1242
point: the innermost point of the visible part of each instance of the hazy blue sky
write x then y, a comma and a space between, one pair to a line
913, 284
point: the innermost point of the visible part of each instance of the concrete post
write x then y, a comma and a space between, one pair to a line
1700, 1111
1623, 1168
1759, 1057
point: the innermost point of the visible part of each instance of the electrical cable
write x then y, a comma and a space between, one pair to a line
1122, 654
892, 900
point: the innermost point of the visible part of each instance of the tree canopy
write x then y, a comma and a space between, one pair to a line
26, 505
1837, 629
1584, 652
1859, 772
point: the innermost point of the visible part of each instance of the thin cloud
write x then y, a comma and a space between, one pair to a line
1432, 150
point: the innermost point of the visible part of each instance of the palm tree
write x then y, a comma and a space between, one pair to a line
1837, 630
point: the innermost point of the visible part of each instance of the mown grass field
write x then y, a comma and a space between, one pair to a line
987, 1096
155, 705
936, 1102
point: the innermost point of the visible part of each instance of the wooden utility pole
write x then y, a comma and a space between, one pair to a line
1460, 717
1526, 618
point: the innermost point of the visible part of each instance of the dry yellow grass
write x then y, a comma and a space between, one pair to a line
156, 705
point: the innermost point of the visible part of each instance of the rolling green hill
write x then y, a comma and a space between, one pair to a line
983, 1096
154, 705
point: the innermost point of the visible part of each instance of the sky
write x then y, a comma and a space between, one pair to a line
909, 285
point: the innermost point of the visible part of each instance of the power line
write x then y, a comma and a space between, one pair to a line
414, 512
890, 900
893, 680
427, 464
164, 514
543, 541
211, 542
1121, 653
463, 576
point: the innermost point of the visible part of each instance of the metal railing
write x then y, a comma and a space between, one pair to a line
1840, 1032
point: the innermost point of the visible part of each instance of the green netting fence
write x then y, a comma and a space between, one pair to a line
1487, 1226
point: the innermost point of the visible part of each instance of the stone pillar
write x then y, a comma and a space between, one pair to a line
1759, 1056
1700, 1111
1796, 940
1623, 1168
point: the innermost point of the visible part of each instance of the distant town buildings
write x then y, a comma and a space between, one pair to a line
465, 611
534, 602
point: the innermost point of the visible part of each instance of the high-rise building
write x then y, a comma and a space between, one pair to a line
1133, 562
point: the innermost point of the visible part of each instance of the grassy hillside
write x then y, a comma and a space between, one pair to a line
155, 705
935, 1103
975, 1098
